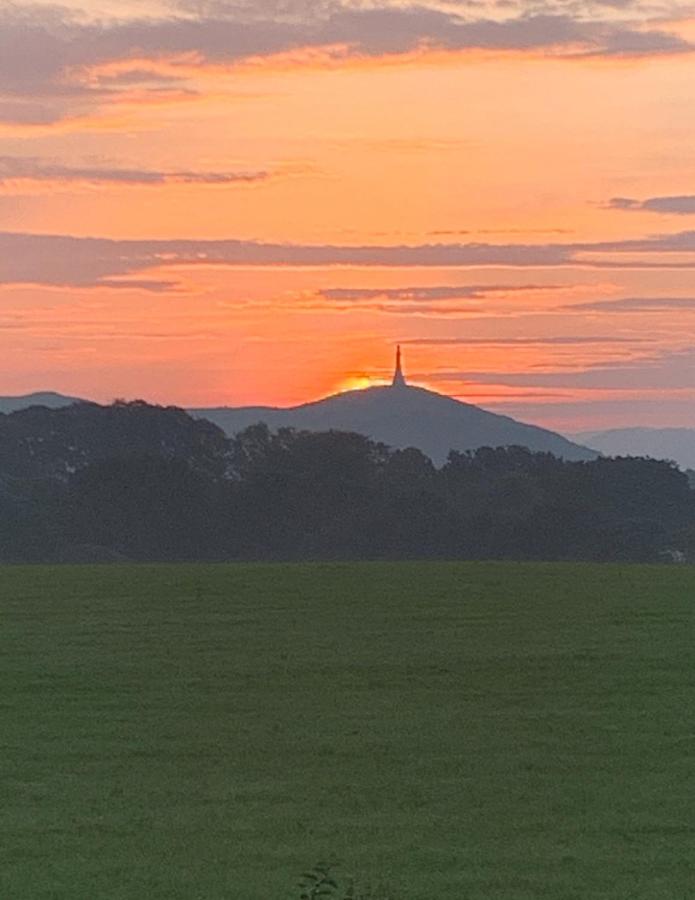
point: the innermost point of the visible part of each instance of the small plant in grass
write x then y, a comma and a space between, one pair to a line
320, 883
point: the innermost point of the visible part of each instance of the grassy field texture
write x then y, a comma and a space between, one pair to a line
462, 731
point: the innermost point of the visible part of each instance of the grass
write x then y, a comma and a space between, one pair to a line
461, 731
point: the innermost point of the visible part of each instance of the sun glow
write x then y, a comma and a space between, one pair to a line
357, 383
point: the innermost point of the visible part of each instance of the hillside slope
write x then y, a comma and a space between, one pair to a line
677, 444
403, 417
49, 399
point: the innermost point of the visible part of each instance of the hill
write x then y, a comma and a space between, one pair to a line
677, 444
49, 399
400, 416
403, 416
134, 481
40, 443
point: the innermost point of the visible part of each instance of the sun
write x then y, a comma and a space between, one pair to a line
355, 383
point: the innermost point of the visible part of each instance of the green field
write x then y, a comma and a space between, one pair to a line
467, 731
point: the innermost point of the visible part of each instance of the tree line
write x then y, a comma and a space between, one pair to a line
144, 483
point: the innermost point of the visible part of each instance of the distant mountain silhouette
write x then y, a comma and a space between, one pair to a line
403, 416
677, 444
400, 416
131, 481
49, 399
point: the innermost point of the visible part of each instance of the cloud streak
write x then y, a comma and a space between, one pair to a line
669, 370
634, 304
683, 205
49, 56
557, 341
63, 260
428, 294
15, 170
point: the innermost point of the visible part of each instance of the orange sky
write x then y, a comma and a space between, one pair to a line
234, 185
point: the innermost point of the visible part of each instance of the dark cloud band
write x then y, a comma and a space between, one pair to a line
65, 260
428, 294
45, 51
634, 304
683, 205
29, 169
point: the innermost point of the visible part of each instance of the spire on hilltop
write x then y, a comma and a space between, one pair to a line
399, 377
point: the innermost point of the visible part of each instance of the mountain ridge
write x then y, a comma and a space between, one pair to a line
49, 399
402, 416
677, 444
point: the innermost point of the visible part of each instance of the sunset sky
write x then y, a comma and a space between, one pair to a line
230, 202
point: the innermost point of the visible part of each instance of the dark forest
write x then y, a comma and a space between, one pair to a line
136, 482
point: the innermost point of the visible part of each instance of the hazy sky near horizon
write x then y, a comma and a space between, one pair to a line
222, 201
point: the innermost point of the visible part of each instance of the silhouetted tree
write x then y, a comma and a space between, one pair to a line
147, 483
145, 507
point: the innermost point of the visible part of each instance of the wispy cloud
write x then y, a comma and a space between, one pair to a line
683, 205
16, 170
557, 341
491, 231
634, 304
50, 57
429, 294
661, 370
65, 260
